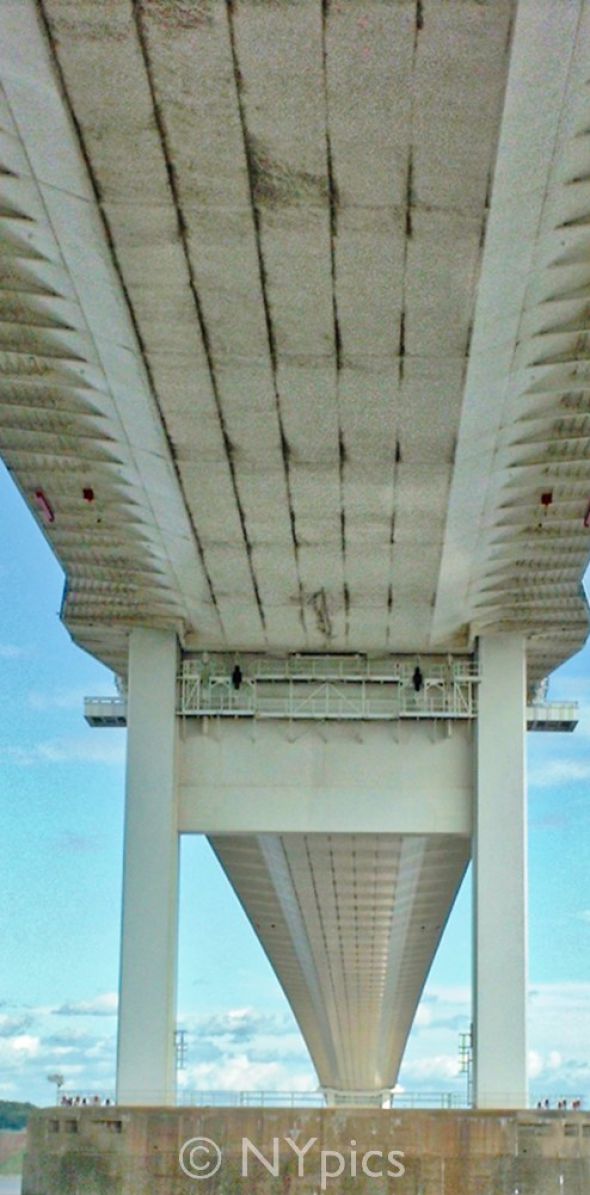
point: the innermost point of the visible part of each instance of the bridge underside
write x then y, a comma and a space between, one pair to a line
294, 317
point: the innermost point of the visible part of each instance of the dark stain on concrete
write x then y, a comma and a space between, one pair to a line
200, 314
269, 3
319, 602
346, 600
252, 155
468, 339
410, 196
179, 14
275, 184
108, 25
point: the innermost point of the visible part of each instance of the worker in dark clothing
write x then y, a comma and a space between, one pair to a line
236, 677
417, 679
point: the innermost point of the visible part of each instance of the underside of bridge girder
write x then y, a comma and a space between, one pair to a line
294, 318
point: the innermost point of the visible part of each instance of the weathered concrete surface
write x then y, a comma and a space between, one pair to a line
120, 1151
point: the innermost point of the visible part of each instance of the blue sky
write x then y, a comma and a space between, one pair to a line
61, 812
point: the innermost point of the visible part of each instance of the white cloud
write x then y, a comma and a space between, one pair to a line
436, 1068
67, 698
535, 1063
561, 997
240, 1025
246, 1049
18, 1049
25, 1043
423, 1016
449, 997
102, 1006
12, 651
98, 748
11, 1026
559, 1059
59, 1052
57, 699
559, 771
242, 1073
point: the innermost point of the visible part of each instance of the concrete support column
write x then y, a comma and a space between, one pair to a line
147, 1003
500, 878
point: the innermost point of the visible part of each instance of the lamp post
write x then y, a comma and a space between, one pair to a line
59, 1082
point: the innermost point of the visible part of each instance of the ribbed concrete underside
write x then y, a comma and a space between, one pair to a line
292, 354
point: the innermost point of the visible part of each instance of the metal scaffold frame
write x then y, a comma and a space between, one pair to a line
339, 688
322, 687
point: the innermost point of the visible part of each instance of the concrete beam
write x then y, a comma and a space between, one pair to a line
235, 781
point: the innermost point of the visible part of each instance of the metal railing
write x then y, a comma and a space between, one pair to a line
342, 688
310, 1099
105, 711
553, 715
331, 688
197, 1097
251, 1099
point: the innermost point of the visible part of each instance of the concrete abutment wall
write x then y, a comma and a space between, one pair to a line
136, 1151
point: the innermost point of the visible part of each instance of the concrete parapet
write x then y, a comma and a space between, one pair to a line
139, 1151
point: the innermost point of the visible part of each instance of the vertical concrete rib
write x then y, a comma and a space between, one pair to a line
409, 199
281, 876
333, 201
272, 348
183, 238
345, 1026
46, 24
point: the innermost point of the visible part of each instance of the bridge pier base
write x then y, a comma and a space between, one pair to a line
136, 1151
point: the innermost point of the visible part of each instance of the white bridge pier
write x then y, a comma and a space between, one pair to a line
288, 803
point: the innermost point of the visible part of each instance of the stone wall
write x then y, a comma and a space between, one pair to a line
136, 1151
